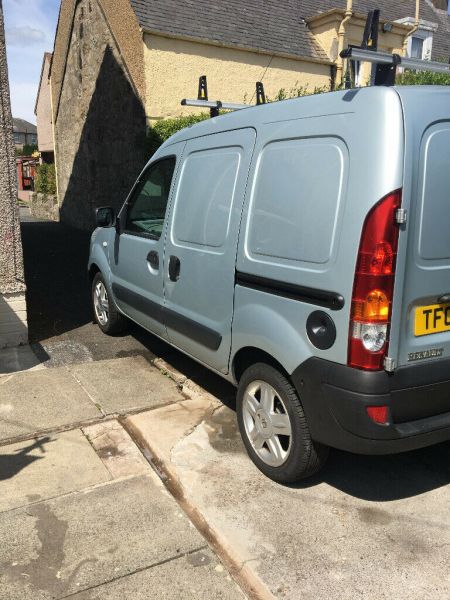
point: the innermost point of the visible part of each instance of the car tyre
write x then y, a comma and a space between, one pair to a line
106, 315
274, 428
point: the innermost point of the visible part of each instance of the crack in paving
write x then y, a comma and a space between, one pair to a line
140, 570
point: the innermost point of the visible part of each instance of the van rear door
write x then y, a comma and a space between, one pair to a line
424, 305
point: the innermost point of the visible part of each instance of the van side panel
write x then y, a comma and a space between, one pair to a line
311, 185
293, 217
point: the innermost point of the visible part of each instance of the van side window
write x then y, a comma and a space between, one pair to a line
205, 196
147, 206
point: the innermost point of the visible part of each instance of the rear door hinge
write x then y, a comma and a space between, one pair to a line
401, 215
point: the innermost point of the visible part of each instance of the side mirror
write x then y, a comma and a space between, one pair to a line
105, 216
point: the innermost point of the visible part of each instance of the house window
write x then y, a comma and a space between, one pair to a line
420, 43
417, 44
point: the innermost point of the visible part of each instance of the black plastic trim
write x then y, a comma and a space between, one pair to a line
196, 331
335, 398
199, 333
138, 302
331, 300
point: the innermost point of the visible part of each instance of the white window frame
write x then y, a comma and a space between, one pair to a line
424, 32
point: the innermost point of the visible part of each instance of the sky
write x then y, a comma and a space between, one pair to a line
30, 27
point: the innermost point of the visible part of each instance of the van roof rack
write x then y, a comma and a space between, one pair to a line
387, 64
214, 106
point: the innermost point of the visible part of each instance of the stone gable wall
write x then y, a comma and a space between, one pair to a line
101, 127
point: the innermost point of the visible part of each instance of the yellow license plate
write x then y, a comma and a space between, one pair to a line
432, 319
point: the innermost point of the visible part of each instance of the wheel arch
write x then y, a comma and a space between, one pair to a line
250, 355
93, 270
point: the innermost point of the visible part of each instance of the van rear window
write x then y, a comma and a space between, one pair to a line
296, 199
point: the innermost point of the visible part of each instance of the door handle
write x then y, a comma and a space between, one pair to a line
153, 259
174, 268
444, 298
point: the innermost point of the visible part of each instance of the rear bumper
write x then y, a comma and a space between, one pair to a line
335, 398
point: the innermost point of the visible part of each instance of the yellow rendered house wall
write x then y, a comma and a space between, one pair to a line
173, 66
326, 28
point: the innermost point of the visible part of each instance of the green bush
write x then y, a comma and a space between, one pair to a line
423, 78
297, 92
45, 182
27, 150
162, 130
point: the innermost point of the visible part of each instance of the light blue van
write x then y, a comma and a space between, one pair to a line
301, 250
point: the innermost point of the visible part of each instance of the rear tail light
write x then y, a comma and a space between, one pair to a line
374, 286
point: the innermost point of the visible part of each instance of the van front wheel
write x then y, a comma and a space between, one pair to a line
273, 426
106, 315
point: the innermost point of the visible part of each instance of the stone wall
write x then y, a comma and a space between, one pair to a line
44, 206
127, 34
13, 330
100, 131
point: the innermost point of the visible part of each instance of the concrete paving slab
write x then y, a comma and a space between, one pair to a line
47, 467
17, 359
49, 398
84, 539
125, 384
197, 576
116, 449
367, 527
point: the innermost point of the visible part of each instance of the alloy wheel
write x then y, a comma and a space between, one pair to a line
101, 304
267, 423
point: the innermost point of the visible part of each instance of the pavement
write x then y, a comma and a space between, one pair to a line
122, 475
82, 512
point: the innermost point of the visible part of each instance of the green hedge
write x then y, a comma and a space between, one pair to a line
45, 182
162, 130
423, 78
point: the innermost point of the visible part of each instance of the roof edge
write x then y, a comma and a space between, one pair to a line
340, 12
47, 56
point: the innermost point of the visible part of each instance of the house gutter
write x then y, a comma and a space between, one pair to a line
341, 40
414, 28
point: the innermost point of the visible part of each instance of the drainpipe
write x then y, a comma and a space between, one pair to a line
414, 28
341, 41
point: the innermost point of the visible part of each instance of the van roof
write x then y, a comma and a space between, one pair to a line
344, 101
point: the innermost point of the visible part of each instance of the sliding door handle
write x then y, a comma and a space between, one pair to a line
174, 268
153, 259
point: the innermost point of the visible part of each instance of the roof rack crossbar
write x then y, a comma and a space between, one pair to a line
217, 104
214, 106
381, 58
